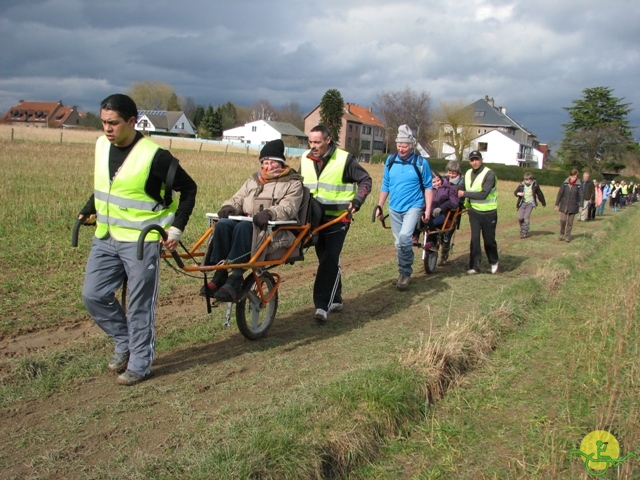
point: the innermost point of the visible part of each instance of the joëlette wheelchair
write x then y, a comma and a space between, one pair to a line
437, 236
257, 303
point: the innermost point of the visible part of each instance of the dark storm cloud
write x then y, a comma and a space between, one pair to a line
533, 57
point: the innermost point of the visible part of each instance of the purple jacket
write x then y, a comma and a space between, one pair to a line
445, 198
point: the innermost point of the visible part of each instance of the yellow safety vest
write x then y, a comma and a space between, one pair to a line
123, 208
489, 203
329, 189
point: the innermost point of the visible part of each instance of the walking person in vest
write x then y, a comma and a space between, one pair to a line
339, 184
528, 193
481, 199
569, 202
131, 173
406, 181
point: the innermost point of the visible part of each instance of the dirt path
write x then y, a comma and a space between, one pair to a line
76, 430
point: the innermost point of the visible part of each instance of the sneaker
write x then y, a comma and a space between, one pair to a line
403, 282
130, 377
320, 315
118, 362
471, 271
336, 307
561, 237
494, 268
567, 238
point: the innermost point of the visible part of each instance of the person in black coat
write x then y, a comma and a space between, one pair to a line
529, 194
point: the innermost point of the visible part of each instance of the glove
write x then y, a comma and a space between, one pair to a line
261, 219
174, 233
356, 204
225, 211
436, 212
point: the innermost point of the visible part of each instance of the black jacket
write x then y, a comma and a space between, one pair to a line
538, 196
569, 199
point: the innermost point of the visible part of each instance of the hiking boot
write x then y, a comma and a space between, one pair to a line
130, 377
561, 237
118, 363
472, 271
403, 282
230, 291
494, 268
218, 280
320, 315
567, 238
336, 307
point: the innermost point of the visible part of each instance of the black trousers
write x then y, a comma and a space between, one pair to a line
482, 223
328, 250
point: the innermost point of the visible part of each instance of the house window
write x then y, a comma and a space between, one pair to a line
348, 142
377, 145
350, 128
254, 129
483, 146
479, 113
366, 144
366, 130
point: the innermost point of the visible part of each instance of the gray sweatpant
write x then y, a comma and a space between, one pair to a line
134, 331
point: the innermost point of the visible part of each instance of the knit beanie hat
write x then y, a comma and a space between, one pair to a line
405, 135
273, 150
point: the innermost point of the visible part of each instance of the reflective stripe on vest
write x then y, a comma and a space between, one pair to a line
489, 203
122, 205
329, 189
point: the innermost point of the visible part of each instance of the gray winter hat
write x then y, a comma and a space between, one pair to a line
405, 135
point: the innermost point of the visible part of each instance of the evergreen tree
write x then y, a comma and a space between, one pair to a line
598, 137
198, 115
173, 105
205, 129
228, 115
216, 123
331, 110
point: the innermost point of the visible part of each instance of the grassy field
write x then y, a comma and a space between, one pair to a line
490, 376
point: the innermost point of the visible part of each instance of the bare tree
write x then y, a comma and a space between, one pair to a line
151, 95
292, 114
454, 127
263, 111
408, 107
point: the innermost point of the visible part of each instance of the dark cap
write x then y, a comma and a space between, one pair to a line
475, 154
273, 150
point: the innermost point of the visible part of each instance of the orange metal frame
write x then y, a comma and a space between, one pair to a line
304, 232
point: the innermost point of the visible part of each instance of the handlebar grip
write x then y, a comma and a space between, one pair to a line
374, 215
143, 234
74, 233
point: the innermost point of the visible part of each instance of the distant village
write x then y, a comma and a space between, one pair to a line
499, 137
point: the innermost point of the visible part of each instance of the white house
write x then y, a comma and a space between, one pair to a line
500, 147
263, 131
164, 121
501, 139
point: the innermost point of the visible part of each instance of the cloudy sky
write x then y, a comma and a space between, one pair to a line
532, 56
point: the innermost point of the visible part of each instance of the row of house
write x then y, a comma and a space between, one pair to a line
42, 114
499, 137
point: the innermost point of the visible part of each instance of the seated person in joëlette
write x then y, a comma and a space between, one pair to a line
445, 199
274, 193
